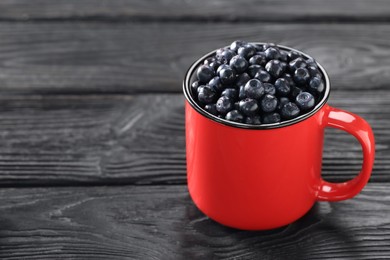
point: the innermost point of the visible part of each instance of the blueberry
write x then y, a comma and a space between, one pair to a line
227, 75
237, 44
305, 101
301, 76
230, 93
254, 89
194, 87
236, 105
200, 88
263, 76
246, 51
249, 107
316, 86
212, 109
295, 91
241, 93
242, 79
292, 55
253, 69
311, 62
207, 95
275, 68
269, 88
258, 59
288, 78
235, 116
216, 84
204, 73
271, 118
224, 105
253, 120
283, 56
282, 87
290, 110
238, 63
272, 53
209, 60
282, 102
215, 65
314, 72
225, 56
268, 103
221, 67
297, 63
267, 45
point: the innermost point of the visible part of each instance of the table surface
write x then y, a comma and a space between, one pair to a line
92, 159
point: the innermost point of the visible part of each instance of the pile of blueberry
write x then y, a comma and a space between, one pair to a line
257, 84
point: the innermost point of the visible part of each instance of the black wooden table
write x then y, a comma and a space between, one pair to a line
92, 159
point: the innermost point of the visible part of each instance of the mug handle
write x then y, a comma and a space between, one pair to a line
362, 131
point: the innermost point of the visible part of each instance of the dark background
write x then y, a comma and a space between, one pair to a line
92, 159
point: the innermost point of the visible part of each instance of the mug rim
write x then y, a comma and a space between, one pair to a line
192, 102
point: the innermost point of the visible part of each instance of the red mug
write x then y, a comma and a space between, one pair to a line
258, 177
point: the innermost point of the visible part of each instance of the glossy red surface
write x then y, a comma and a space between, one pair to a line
262, 179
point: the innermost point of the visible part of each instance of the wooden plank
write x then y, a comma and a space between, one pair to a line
133, 57
203, 10
119, 139
161, 222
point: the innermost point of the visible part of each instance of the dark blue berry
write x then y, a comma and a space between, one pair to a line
269, 88
290, 110
282, 102
292, 55
224, 105
305, 101
242, 79
314, 72
249, 107
282, 87
200, 88
263, 76
215, 64
216, 84
268, 103
204, 73
288, 78
194, 87
237, 44
238, 63
316, 86
227, 75
301, 76
295, 91
283, 56
221, 67
237, 105
253, 69
311, 62
212, 109
275, 68
267, 45
230, 93
225, 56
271, 118
234, 116
241, 93
272, 53
246, 51
297, 63
207, 95
258, 59
253, 120
254, 89
208, 61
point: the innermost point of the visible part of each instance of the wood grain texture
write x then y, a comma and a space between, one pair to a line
161, 222
63, 57
202, 10
121, 139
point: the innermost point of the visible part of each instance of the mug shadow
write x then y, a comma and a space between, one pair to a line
314, 235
